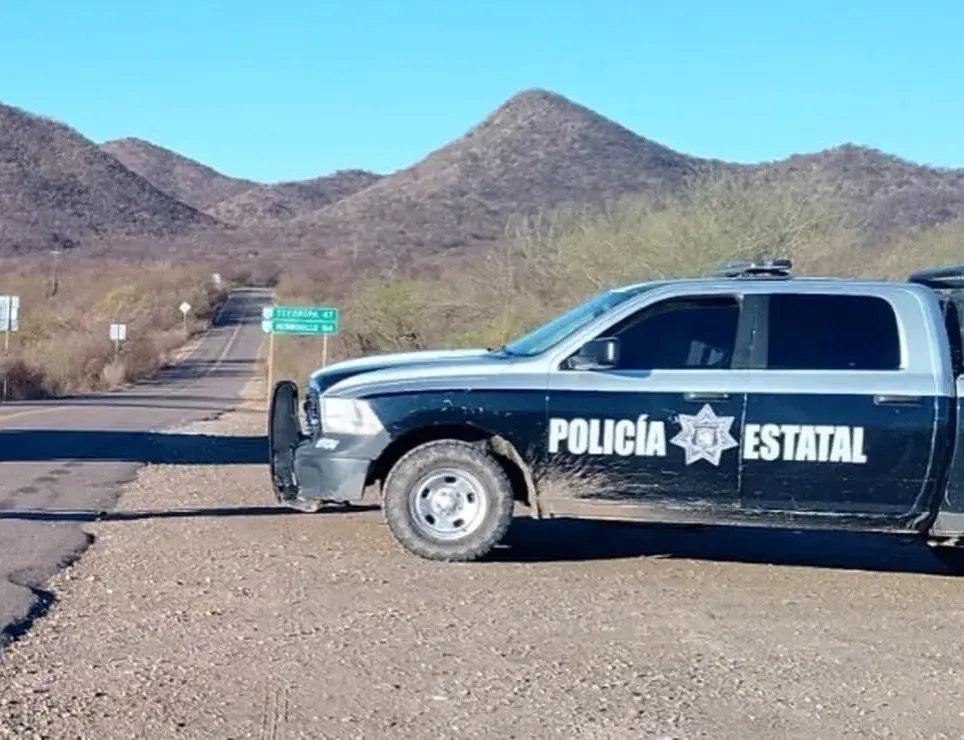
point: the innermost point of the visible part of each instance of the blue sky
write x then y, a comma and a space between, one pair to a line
286, 89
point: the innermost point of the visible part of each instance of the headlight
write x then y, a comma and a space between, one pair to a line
348, 416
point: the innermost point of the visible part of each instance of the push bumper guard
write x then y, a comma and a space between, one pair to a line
284, 436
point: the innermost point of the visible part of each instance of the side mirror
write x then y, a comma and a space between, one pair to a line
596, 354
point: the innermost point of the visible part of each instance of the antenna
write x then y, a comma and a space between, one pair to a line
776, 268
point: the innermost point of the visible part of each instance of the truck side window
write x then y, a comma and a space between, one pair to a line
679, 333
831, 332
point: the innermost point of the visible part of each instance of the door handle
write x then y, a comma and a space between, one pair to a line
706, 396
896, 399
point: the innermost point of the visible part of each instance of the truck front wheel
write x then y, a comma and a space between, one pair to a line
448, 500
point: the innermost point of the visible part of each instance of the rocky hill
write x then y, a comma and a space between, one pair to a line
232, 200
284, 201
888, 194
536, 151
60, 190
189, 181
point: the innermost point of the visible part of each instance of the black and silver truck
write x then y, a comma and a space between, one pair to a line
750, 397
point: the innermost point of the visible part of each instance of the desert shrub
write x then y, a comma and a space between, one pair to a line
264, 272
20, 380
114, 373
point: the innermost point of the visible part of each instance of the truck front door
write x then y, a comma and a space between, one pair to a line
834, 424
663, 426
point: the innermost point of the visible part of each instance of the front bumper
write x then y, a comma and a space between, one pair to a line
311, 468
333, 468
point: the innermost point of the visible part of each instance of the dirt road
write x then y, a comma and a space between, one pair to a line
203, 612
75, 453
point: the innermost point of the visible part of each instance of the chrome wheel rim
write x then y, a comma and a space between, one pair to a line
448, 504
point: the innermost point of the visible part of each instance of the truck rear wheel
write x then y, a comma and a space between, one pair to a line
448, 500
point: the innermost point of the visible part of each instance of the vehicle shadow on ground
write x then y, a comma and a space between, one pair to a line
93, 515
158, 448
573, 540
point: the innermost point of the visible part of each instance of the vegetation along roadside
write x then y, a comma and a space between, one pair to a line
552, 262
67, 305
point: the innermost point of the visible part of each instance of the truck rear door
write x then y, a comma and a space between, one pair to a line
842, 405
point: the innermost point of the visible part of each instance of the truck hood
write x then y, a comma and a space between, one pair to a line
328, 376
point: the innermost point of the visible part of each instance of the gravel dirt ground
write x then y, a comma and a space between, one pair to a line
202, 611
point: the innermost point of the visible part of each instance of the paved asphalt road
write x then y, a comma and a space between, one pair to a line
75, 454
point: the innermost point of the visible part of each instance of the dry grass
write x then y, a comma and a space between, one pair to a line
558, 260
63, 344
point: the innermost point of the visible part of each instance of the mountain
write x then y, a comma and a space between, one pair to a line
60, 190
233, 200
889, 194
536, 151
540, 149
184, 179
286, 200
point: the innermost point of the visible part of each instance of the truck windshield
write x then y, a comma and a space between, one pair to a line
557, 329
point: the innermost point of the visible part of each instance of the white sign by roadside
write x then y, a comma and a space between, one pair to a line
118, 332
9, 313
184, 308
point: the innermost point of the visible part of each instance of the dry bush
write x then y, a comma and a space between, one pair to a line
554, 261
63, 344
260, 273
20, 380
114, 373
940, 245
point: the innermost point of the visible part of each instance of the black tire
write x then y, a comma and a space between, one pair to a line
462, 458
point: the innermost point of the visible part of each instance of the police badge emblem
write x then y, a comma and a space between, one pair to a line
704, 436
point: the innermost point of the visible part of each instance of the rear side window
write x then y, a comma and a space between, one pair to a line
831, 332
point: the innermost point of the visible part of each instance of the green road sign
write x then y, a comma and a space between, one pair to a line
300, 320
281, 326
325, 314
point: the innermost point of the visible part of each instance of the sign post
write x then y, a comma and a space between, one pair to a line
9, 323
184, 308
118, 334
300, 320
270, 362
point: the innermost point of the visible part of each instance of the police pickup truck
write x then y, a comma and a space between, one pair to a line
747, 397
